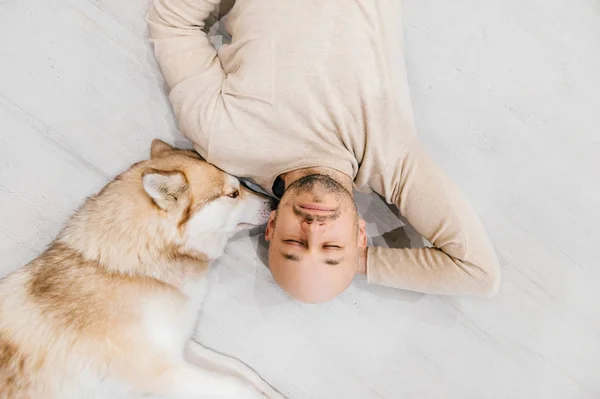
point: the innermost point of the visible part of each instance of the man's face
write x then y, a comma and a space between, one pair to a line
315, 236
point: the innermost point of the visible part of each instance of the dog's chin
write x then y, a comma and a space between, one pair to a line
244, 226
252, 228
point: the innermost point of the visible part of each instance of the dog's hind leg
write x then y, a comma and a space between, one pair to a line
186, 381
217, 362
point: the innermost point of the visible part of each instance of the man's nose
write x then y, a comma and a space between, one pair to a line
313, 226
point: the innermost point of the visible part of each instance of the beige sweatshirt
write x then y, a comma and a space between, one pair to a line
308, 83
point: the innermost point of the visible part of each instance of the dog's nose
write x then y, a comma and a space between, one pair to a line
273, 204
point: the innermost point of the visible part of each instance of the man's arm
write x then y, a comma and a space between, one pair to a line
462, 261
188, 62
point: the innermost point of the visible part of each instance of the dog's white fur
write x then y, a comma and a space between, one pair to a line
108, 310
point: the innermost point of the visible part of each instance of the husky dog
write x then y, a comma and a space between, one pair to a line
107, 311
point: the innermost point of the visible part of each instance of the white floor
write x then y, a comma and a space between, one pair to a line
507, 97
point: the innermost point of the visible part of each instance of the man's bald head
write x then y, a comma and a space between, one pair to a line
315, 239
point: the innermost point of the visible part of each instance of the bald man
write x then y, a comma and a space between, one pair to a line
309, 101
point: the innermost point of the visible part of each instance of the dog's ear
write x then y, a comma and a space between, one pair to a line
158, 147
164, 188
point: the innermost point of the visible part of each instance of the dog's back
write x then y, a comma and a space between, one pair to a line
15, 366
65, 324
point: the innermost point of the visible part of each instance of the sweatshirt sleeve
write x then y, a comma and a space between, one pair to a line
461, 261
188, 62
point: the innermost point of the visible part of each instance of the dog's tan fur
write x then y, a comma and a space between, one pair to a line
108, 308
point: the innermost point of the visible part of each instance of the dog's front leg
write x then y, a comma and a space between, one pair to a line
214, 361
185, 381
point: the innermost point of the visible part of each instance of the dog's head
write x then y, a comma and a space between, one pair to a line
203, 205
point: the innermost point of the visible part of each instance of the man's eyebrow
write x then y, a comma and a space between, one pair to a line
295, 258
334, 262
290, 256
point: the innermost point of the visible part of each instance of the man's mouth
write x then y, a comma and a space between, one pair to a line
316, 208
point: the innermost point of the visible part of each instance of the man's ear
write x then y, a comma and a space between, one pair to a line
270, 226
362, 234
164, 188
159, 147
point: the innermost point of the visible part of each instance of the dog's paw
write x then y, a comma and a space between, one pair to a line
266, 393
253, 393
270, 393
